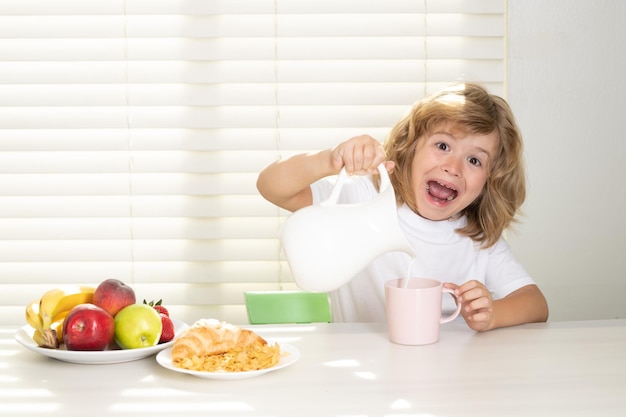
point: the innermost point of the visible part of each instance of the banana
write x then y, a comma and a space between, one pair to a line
32, 316
39, 338
47, 339
48, 303
57, 324
47, 316
59, 300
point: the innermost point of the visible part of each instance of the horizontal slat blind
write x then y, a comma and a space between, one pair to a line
132, 131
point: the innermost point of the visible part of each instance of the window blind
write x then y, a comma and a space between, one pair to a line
132, 131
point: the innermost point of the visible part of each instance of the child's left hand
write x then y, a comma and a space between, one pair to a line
476, 304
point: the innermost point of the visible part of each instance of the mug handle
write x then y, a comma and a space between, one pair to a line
458, 307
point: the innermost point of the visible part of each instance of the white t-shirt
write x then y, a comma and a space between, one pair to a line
441, 254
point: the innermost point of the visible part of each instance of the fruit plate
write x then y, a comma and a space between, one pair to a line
288, 356
24, 336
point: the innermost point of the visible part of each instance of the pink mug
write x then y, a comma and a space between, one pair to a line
414, 310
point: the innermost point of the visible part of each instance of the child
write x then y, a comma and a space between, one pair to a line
455, 162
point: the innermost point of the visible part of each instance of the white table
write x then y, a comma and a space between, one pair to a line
555, 369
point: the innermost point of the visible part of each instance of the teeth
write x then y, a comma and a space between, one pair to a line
450, 198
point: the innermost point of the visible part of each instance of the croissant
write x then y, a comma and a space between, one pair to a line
212, 345
212, 337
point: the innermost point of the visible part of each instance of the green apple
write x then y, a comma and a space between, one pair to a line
137, 326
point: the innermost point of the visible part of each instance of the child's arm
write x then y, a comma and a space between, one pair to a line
286, 182
481, 312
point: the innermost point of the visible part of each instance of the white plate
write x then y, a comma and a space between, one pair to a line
25, 337
288, 356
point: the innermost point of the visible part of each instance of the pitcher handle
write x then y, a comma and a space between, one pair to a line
385, 182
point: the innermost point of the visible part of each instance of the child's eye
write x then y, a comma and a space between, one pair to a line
443, 146
474, 161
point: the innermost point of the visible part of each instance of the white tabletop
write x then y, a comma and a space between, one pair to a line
555, 369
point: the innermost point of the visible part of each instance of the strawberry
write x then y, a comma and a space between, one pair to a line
158, 307
167, 333
161, 310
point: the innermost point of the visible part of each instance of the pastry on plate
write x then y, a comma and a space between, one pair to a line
215, 346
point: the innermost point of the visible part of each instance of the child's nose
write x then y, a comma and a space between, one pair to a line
453, 166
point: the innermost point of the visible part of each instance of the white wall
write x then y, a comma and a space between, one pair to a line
567, 86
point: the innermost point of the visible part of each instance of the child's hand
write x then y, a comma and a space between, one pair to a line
361, 155
476, 304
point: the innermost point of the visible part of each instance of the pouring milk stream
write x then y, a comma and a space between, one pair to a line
328, 244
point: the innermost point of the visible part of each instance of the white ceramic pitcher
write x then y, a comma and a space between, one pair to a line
328, 244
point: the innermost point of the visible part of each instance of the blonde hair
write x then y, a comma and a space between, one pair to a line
470, 107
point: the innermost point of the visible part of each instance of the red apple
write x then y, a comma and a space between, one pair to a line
88, 327
113, 295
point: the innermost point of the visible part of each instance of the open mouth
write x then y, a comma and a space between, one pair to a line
441, 192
